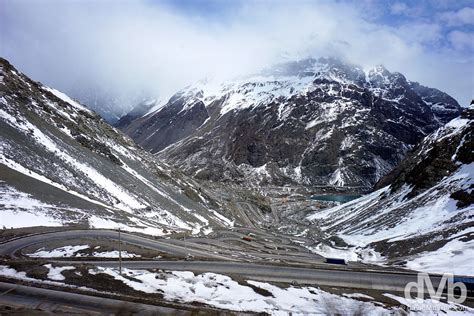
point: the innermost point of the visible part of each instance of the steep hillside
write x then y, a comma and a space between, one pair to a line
313, 122
424, 219
60, 163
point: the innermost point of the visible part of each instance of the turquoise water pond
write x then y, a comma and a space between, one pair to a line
335, 197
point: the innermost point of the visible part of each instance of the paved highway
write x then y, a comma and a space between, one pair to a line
12, 247
198, 247
376, 280
24, 298
339, 277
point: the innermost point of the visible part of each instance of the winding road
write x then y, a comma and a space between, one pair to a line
11, 248
329, 275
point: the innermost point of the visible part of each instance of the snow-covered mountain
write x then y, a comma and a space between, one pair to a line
422, 215
311, 122
60, 163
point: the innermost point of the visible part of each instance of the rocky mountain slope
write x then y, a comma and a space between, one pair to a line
60, 163
312, 122
422, 215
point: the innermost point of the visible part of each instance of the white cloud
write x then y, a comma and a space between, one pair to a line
420, 33
464, 16
399, 8
128, 47
462, 40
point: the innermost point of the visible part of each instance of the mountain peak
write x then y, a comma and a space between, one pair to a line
303, 122
379, 74
380, 69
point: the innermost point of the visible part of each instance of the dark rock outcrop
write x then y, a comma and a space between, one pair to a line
432, 160
181, 117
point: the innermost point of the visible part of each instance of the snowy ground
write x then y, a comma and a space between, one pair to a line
66, 251
429, 229
75, 251
223, 292
348, 254
431, 307
19, 209
55, 273
373, 218
454, 251
438, 261
114, 254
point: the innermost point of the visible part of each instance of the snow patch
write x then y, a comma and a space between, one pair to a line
431, 307
223, 292
442, 259
55, 273
98, 222
66, 98
114, 254
65, 251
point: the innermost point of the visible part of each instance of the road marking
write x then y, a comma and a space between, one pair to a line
7, 291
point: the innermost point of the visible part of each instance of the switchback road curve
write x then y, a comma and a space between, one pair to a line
339, 277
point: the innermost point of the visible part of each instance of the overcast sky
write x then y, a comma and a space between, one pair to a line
126, 47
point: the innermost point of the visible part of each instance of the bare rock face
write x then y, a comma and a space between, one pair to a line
436, 157
311, 122
182, 116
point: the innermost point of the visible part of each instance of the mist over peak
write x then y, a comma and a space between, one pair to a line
113, 56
